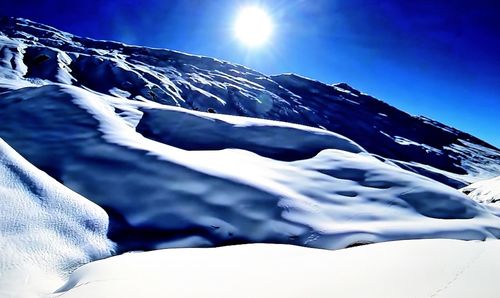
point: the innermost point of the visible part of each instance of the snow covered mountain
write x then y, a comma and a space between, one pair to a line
188, 151
40, 54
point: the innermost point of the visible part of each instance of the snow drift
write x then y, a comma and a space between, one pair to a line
101, 118
47, 231
157, 195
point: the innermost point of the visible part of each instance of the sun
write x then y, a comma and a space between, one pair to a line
253, 26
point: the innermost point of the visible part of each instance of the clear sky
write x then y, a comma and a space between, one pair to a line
440, 59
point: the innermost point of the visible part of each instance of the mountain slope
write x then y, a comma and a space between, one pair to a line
231, 180
40, 54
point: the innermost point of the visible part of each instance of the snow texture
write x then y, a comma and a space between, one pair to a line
47, 231
158, 195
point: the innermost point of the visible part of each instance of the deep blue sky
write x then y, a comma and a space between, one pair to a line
435, 58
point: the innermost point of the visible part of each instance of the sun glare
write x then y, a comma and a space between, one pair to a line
253, 26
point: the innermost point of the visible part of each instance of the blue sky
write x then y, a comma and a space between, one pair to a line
440, 59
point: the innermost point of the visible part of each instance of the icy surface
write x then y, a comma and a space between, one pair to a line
47, 231
418, 268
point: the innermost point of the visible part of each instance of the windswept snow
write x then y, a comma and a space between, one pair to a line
330, 195
47, 231
277, 140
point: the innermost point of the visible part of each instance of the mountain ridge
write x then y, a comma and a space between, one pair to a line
14, 22
201, 83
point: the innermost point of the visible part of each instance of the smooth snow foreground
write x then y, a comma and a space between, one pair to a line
416, 268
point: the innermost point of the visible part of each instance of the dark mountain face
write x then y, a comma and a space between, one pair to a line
205, 84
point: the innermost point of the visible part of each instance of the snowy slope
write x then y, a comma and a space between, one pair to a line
331, 195
418, 268
47, 231
40, 54
486, 191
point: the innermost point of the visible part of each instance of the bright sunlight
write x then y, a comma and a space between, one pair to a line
253, 26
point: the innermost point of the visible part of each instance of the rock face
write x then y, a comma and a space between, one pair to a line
190, 151
40, 54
